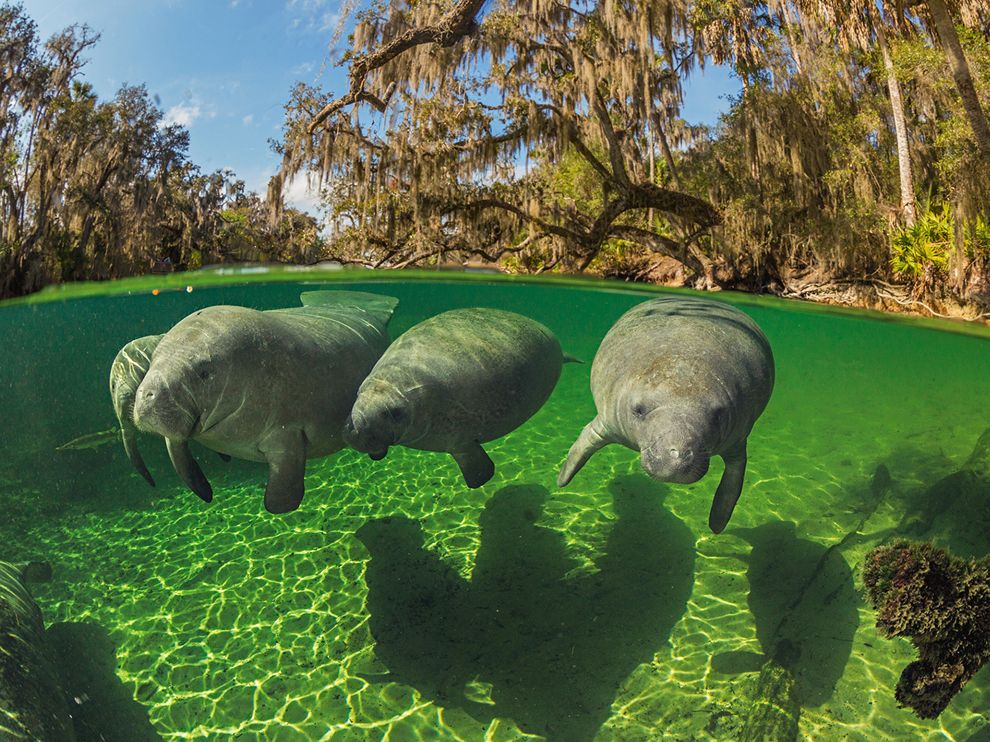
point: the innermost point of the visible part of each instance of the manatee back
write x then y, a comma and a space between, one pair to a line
475, 374
688, 347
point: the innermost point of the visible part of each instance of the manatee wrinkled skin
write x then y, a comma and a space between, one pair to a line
680, 379
32, 703
126, 374
271, 386
453, 382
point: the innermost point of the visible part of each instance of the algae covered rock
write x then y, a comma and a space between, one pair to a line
942, 604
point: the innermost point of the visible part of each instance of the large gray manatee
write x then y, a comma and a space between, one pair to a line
680, 379
126, 374
453, 382
272, 386
32, 703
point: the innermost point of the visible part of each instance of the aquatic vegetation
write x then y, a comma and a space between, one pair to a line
942, 604
32, 702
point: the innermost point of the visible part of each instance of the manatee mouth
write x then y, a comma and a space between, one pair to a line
669, 464
365, 438
155, 410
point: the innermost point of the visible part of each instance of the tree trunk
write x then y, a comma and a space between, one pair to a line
961, 74
900, 128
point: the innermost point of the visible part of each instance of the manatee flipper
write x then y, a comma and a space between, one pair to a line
568, 358
378, 305
224, 457
286, 455
476, 466
591, 440
729, 488
128, 434
187, 468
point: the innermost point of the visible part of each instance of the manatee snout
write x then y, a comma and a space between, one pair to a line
677, 464
156, 410
364, 436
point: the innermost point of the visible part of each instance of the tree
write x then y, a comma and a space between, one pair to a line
443, 105
946, 34
98, 189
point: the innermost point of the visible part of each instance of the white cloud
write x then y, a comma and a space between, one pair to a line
314, 16
302, 69
301, 193
248, 120
182, 114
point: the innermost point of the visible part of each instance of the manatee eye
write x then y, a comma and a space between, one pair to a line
203, 369
639, 409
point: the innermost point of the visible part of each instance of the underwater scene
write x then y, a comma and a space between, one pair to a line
396, 602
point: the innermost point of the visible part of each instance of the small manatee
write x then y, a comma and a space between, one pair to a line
453, 382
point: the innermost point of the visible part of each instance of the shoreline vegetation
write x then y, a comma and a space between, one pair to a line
538, 137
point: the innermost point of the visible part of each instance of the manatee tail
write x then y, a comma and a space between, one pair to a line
378, 305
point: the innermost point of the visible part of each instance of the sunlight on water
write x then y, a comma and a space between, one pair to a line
397, 604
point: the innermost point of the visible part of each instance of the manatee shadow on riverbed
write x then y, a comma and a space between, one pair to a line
103, 708
551, 650
805, 605
952, 508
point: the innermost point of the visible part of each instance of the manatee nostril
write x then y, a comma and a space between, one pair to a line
674, 453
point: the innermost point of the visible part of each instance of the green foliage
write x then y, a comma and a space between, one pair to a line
924, 248
103, 188
976, 238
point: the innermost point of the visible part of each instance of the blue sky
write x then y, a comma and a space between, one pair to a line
224, 68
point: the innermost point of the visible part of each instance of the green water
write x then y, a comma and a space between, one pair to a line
397, 604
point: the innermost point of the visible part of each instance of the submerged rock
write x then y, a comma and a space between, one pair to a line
940, 602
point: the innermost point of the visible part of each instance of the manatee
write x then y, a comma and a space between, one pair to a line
679, 379
126, 375
453, 382
32, 702
271, 386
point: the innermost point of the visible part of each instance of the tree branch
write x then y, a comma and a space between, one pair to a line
451, 28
